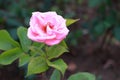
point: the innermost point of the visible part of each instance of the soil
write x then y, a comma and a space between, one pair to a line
104, 64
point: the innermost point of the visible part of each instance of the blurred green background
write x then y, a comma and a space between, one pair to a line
96, 16
98, 27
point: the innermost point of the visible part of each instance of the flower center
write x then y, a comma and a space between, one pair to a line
47, 25
50, 25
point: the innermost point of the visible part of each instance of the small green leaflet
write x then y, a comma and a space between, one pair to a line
6, 41
71, 21
9, 56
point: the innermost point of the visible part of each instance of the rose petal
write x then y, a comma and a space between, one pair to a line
52, 42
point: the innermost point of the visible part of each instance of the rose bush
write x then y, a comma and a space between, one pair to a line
47, 27
36, 57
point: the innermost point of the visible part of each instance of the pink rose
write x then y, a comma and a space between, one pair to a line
47, 27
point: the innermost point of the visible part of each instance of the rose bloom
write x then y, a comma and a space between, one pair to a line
47, 27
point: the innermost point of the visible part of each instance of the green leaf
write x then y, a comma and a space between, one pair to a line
55, 51
55, 75
82, 76
13, 22
116, 32
6, 42
37, 65
38, 44
24, 59
99, 29
12, 32
59, 65
35, 51
71, 21
109, 21
63, 43
25, 42
94, 3
107, 25
9, 56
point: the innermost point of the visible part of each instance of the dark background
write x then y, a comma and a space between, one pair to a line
93, 41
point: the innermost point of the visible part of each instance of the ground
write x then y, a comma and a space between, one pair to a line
103, 63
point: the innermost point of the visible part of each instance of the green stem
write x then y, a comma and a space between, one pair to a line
37, 51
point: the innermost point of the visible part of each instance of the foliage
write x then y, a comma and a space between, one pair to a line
70, 21
38, 60
82, 76
6, 42
107, 15
38, 56
107, 20
77, 76
15, 15
55, 75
